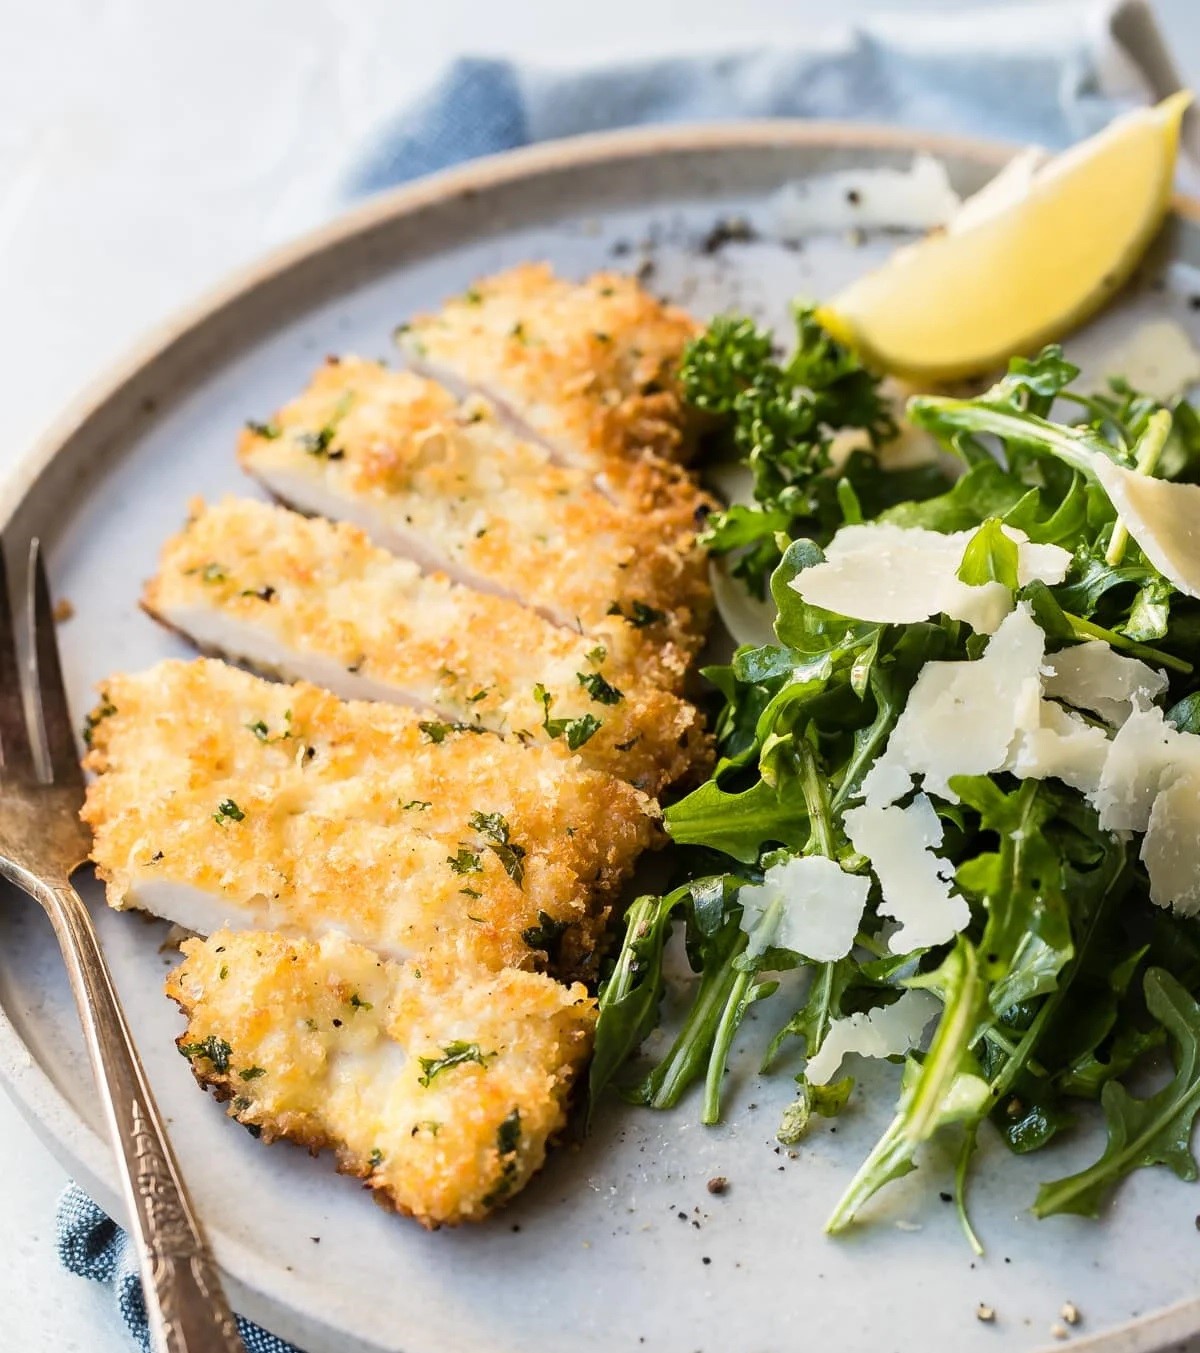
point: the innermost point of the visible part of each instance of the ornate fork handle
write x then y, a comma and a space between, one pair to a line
187, 1309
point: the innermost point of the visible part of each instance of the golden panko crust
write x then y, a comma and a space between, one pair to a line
438, 1088
250, 579
448, 484
281, 806
591, 367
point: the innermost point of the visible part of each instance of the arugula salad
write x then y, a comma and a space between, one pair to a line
961, 790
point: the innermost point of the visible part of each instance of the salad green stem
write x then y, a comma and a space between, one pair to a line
815, 789
924, 1100
1085, 629
1149, 449
682, 1064
736, 1003
1077, 447
731, 1017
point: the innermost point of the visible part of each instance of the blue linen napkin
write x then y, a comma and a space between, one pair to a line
1048, 73
92, 1245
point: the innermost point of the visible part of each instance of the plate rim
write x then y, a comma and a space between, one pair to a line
279, 1303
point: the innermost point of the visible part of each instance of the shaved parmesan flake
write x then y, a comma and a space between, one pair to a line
887, 1032
1063, 746
915, 883
899, 575
1146, 753
1163, 517
816, 908
1095, 677
1169, 850
962, 717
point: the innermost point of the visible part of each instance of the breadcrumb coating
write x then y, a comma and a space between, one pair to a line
301, 597
225, 799
449, 486
591, 367
438, 1088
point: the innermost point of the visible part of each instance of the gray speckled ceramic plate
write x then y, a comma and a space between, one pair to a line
618, 1243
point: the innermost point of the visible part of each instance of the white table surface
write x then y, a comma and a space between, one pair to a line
147, 147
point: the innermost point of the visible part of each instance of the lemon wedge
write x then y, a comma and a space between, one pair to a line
1034, 262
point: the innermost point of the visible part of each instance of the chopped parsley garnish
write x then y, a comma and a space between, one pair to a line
508, 1139
639, 614
212, 1048
470, 892
473, 297
454, 1054
252, 1073
575, 731
508, 1136
416, 805
510, 855
214, 573
479, 695
436, 731
320, 443
227, 811
103, 711
260, 730
600, 690
358, 1003
375, 1160
268, 430
546, 935
596, 655
465, 861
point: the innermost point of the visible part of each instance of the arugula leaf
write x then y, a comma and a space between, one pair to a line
824, 1003
739, 824
990, 556
985, 490
629, 999
1152, 1131
826, 1100
945, 1087
803, 627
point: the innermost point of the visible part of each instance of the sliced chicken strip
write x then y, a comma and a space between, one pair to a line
449, 488
590, 368
438, 1088
300, 597
226, 799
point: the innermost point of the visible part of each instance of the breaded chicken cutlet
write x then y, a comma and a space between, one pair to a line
438, 1088
591, 368
447, 485
303, 598
225, 799
509, 596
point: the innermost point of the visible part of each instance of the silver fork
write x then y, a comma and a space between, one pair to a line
42, 843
